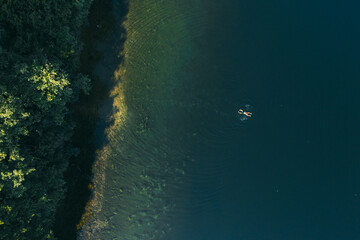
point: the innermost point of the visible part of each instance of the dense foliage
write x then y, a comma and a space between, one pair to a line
39, 52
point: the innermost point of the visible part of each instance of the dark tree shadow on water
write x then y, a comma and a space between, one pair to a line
103, 37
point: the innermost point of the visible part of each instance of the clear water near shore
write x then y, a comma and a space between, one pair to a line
139, 174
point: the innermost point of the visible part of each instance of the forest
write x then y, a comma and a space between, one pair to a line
39, 80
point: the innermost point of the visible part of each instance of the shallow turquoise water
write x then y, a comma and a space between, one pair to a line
181, 165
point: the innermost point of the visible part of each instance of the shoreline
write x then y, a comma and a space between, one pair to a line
89, 114
138, 175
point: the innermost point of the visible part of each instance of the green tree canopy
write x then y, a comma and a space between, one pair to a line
38, 82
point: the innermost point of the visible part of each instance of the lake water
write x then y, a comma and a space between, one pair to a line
180, 164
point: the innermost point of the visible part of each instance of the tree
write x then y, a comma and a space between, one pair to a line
38, 81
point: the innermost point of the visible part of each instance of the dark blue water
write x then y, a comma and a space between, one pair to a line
292, 171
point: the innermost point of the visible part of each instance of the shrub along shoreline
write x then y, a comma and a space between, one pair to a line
39, 80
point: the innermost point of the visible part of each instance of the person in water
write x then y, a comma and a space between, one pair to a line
242, 112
